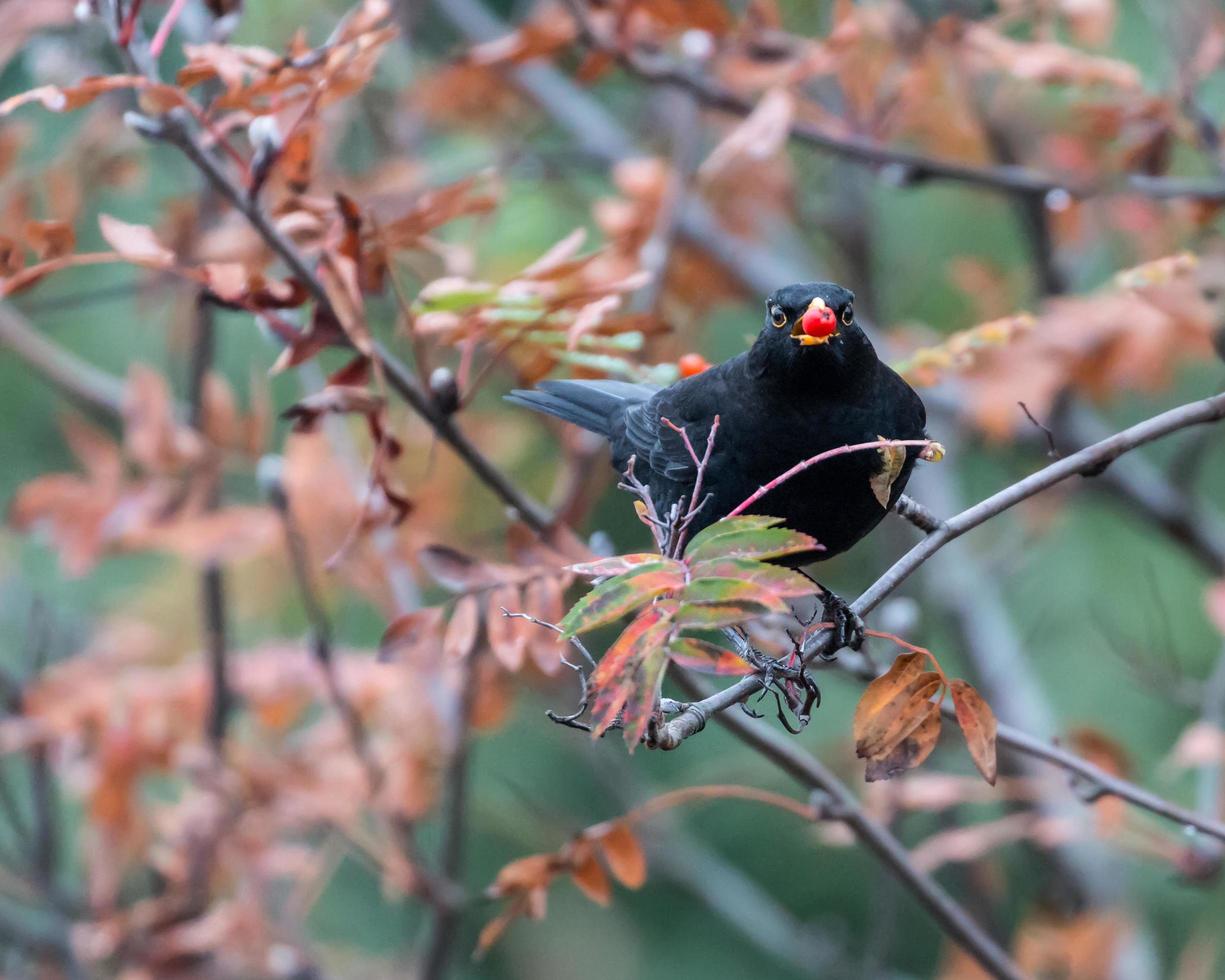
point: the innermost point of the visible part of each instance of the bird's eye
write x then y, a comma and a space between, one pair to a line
848, 315
778, 317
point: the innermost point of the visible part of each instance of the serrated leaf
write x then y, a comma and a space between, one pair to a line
720, 591
977, 722
618, 565
624, 855
782, 582
630, 673
709, 616
909, 751
729, 525
749, 542
893, 459
709, 658
614, 598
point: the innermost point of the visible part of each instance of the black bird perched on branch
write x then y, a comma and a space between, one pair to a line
810, 383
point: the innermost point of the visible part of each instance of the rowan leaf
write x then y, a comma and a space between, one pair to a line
624, 855
748, 537
716, 615
629, 674
617, 565
780, 581
977, 722
709, 658
614, 598
720, 591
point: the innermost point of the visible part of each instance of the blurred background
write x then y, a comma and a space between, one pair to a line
1025, 197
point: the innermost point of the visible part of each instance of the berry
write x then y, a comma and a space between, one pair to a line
691, 364
819, 322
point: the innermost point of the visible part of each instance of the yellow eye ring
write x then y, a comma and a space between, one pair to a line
848, 316
778, 317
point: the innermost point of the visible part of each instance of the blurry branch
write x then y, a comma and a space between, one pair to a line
1141, 485
81, 381
723, 888
453, 814
1088, 460
212, 580
576, 111
906, 167
834, 801
316, 615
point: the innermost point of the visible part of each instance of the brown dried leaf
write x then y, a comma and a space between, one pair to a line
893, 458
624, 854
909, 751
50, 239
589, 876
977, 722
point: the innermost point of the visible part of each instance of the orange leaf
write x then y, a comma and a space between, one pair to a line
590, 878
977, 723
624, 855
462, 629
910, 751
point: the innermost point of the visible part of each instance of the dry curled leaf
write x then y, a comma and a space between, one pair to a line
893, 458
977, 722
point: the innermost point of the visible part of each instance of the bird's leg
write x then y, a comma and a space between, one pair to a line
848, 625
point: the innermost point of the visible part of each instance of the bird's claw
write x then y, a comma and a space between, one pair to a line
848, 626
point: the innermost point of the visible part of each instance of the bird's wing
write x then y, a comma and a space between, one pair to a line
690, 404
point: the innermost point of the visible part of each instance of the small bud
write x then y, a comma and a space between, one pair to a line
444, 390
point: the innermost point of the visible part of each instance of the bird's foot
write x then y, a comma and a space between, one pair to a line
793, 689
848, 626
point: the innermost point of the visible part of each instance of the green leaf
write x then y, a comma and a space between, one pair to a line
748, 537
709, 616
720, 591
783, 582
729, 525
613, 599
630, 673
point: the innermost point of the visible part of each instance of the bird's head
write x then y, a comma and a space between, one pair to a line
811, 325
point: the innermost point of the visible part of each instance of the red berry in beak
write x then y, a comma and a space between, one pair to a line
819, 321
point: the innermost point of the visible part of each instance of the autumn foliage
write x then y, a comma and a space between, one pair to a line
300, 617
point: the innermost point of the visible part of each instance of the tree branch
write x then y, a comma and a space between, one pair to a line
1091, 458
908, 167
843, 806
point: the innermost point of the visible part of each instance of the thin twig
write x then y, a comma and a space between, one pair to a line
801, 466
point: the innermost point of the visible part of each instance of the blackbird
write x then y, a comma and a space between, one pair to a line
811, 382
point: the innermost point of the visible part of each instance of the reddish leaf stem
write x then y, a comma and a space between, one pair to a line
820, 458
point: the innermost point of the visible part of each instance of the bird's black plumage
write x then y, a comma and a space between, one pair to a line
784, 400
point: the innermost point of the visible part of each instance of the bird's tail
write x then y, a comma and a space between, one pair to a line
589, 404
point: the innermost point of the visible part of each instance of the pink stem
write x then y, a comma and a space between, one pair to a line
814, 460
165, 27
